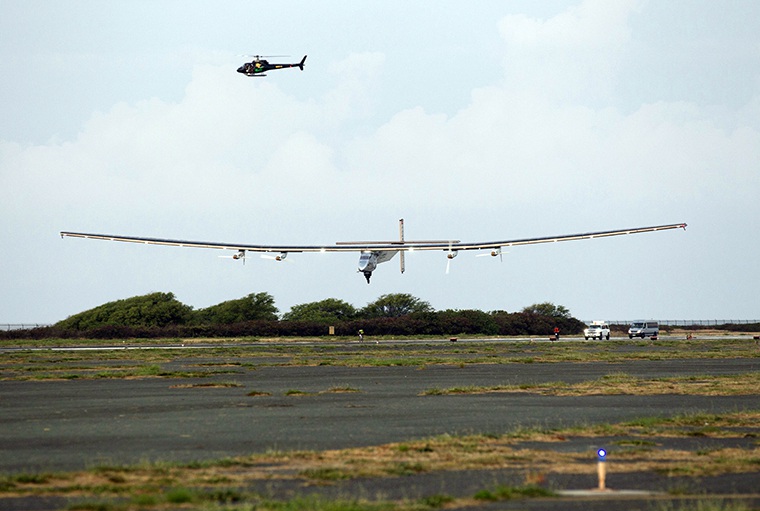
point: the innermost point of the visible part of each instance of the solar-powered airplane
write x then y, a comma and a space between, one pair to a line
372, 253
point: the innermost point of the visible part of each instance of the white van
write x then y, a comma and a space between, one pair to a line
644, 328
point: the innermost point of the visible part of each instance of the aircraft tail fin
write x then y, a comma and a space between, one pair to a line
300, 65
402, 263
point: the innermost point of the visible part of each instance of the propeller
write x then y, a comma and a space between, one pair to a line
280, 257
449, 256
238, 256
493, 253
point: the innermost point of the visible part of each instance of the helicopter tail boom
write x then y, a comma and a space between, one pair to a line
300, 64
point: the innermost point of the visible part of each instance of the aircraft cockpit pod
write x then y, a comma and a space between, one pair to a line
367, 264
367, 261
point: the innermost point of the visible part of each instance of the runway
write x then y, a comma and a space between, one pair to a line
77, 424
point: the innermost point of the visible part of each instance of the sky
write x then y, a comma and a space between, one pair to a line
471, 120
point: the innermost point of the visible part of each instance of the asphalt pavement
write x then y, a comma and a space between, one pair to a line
77, 424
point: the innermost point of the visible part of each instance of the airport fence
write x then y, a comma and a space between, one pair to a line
7, 327
690, 322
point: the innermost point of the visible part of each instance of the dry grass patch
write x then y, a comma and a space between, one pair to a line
341, 389
18, 365
620, 383
208, 385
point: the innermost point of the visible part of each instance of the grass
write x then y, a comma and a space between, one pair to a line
342, 389
511, 492
702, 505
257, 393
621, 383
152, 363
209, 385
296, 392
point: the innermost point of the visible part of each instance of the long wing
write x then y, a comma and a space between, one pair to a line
390, 246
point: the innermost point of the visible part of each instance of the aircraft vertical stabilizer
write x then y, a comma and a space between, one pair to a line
401, 238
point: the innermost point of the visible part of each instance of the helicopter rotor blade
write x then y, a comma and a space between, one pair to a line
262, 56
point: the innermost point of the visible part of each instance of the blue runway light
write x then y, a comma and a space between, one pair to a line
601, 454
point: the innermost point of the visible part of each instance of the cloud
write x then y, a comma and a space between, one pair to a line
572, 54
357, 76
230, 141
591, 25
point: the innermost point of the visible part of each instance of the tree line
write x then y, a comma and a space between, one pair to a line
161, 315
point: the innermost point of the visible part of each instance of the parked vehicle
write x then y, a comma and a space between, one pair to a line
644, 328
597, 329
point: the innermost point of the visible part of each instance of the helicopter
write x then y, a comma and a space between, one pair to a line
258, 66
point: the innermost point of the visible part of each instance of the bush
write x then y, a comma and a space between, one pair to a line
255, 306
160, 315
152, 310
